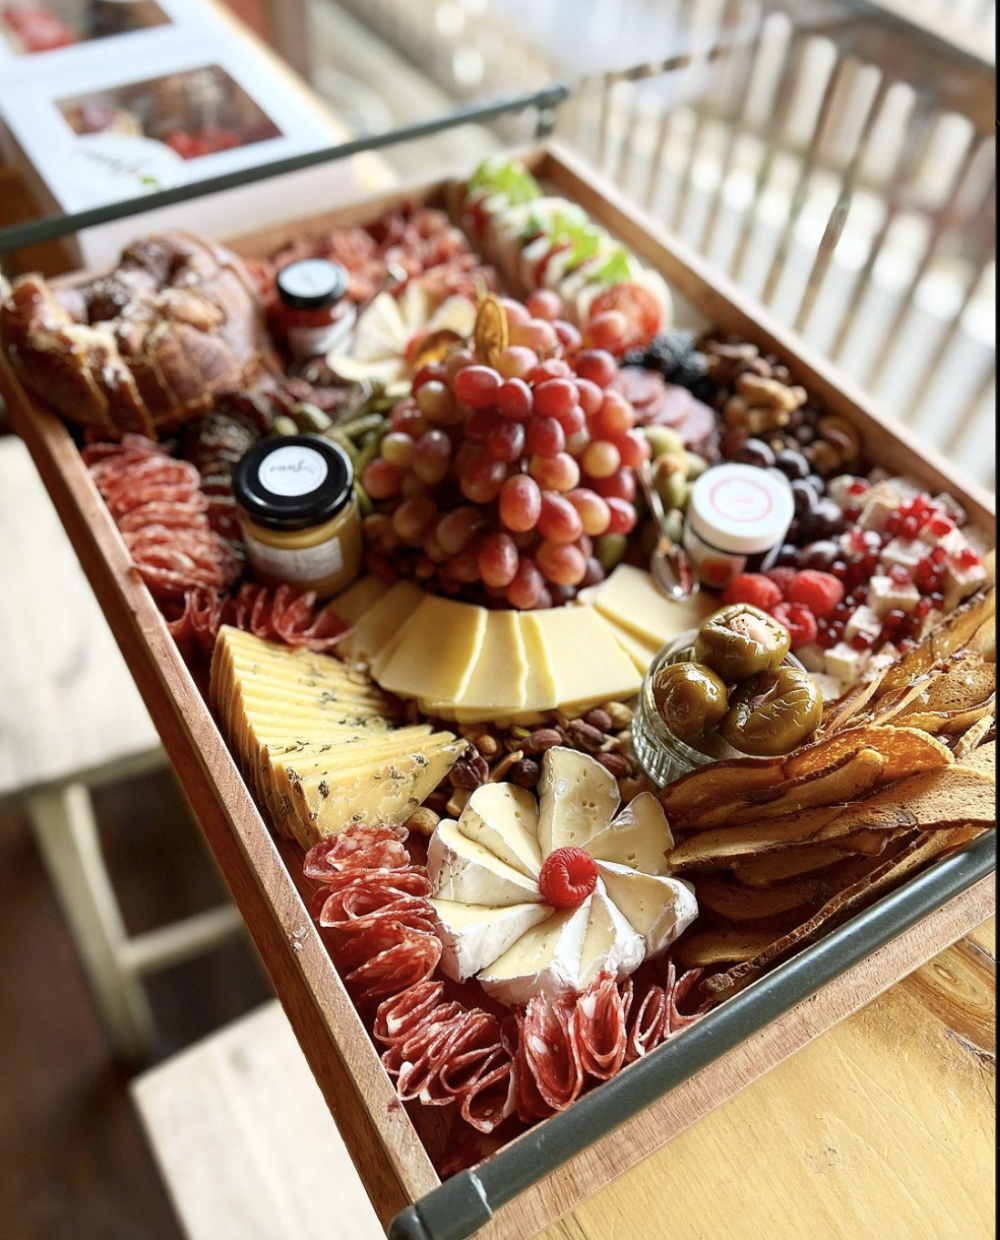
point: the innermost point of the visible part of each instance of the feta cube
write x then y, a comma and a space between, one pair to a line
846, 663
885, 595
812, 657
958, 583
952, 507
880, 503
838, 490
906, 552
865, 620
829, 686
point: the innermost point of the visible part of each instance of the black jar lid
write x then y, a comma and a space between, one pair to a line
291, 482
311, 283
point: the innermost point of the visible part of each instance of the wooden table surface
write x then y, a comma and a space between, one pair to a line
882, 1127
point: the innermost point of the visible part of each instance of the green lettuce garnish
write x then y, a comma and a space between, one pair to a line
617, 270
584, 238
507, 177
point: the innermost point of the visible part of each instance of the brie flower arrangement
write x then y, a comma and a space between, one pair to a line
542, 897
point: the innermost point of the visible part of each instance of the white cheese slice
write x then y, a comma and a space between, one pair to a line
641, 652
504, 819
611, 944
660, 909
545, 959
462, 869
577, 798
639, 837
631, 599
474, 935
540, 686
352, 603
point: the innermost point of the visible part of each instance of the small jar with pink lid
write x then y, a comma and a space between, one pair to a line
735, 513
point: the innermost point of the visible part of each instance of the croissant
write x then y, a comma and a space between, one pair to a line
145, 348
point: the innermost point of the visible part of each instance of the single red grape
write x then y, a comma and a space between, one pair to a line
498, 560
476, 386
544, 304
526, 585
569, 336
595, 515
623, 517
597, 365
562, 563
482, 479
555, 473
633, 448
606, 331
545, 437
555, 397
382, 480
514, 400
559, 521
600, 459
456, 527
620, 485
520, 503
590, 395
615, 416
505, 441
414, 518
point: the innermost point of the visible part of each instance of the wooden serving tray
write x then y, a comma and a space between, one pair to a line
390, 1149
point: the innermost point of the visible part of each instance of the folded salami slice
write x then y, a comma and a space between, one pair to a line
399, 1016
551, 1050
647, 1024
599, 1029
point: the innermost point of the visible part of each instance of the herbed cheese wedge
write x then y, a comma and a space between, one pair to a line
659, 908
504, 819
474, 935
638, 837
588, 665
387, 791
545, 959
463, 870
383, 620
436, 652
631, 599
577, 798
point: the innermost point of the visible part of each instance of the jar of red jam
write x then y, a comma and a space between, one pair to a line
311, 314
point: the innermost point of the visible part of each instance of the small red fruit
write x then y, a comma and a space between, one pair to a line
820, 592
567, 878
753, 588
799, 621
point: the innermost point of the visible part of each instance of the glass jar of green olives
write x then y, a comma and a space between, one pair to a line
661, 753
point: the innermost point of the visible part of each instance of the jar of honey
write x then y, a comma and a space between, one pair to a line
311, 314
298, 513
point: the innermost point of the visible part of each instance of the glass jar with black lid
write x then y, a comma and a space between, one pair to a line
298, 513
311, 313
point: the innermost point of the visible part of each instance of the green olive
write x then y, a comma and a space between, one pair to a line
740, 641
691, 700
773, 712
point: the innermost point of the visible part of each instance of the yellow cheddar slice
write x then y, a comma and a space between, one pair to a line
588, 665
383, 620
436, 652
353, 602
540, 683
496, 688
639, 651
631, 599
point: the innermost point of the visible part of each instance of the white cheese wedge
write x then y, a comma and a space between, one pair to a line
474, 935
611, 944
464, 870
546, 959
504, 819
577, 799
660, 909
588, 665
639, 837
630, 599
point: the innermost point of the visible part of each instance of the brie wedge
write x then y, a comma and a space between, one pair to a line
504, 819
639, 837
660, 909
545, 959
463, 870
577, 799
474, 935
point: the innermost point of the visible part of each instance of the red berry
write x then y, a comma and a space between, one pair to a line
753, 588
820, 592
567, 878
967, 558
782, 577
940, 526
900, 575
859, 487
862, 641
799, 621
938, 556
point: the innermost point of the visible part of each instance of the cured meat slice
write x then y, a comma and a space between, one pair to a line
490, 1100
551, 1051
397, 1017
353, 848
647, 1025
394, 970
599, 1029
678, 991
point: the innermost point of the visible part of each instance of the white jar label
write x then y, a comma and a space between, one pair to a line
741, 499
293, 470
318, 341
299, 566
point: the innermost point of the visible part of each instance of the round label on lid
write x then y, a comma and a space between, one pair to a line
741, 509
293, 470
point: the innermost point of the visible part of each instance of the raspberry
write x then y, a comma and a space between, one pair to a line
753, 588
567, 877
820, 592
799, 621
782, 578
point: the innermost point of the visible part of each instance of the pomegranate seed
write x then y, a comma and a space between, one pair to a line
862, 641
967, 558
900, 575
939, 555
939, 526
909, 527
859, 487
922, 608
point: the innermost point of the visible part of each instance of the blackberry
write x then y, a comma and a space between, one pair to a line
674, 355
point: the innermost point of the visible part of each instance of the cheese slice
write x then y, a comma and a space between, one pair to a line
577, 798
639, 837
383, 619
638, 650
500, 674
540, 682
352, 603
474, 935
436, 652
545, 959
659, 908
464, 870
611, 944
504, 819
631, 599
588, 665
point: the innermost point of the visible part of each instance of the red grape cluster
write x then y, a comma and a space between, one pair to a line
497, 480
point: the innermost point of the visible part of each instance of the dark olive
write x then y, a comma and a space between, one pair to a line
691, 700
755, 452
817, 484
792, 464
804, 497
773, 712
820, 554
740, 641
826, 519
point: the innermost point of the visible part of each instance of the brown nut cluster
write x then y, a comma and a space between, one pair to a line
759, 398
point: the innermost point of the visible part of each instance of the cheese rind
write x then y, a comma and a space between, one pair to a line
504, 819
463, 870
638, 837
474, 935
658, 908
546, 959
577, 798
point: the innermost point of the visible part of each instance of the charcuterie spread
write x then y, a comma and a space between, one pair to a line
550, 815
